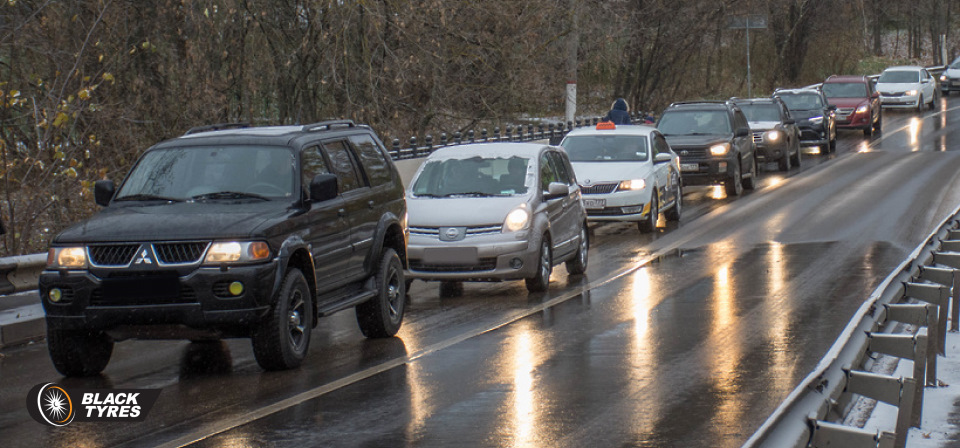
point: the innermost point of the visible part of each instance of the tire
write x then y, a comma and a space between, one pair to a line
879, 125
280, 341
832, 146
451, 288
541, 280
578, 264
734, 185
868, 131
920, 104
381, 316
650, 224
751, 182
674, 213
784, 163
79, 352
933, 102
797, 157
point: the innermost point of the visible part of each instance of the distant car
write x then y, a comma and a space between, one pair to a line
950, 78
496, 211
857, 101
626, 173
714, 143
907, 87
775, 133
814, 115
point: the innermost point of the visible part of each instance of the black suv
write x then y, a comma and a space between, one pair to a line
233, 231
714, 143
815, 117
775, 133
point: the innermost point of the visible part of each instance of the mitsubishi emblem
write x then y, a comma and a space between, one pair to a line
144, 258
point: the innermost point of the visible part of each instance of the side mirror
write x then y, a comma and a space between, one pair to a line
742, 132
323, 187
102, 192
789, 121
663, 157
556, 190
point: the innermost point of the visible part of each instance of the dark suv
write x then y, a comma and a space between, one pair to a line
858, 103
814, 115
233, 231
775, 133
714, 143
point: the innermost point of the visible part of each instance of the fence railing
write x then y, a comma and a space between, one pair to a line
917, 293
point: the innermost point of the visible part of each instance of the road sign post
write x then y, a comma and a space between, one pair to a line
746, 22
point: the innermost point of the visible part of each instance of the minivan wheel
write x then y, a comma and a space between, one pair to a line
79, 352
381, 316
281, 339
541, 280
578, 264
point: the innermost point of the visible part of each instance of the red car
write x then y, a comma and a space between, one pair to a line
858, 103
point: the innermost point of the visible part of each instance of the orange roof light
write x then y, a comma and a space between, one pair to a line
606, 126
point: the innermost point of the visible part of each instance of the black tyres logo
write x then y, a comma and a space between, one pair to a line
51, 405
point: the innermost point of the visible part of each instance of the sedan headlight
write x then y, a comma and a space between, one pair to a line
817, 119
719, 150
67, 257
910, 93
863, 108
772, 136
237, 252
517, 219
632, 185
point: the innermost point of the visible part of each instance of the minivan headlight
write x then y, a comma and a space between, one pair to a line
517, 219
237, 252
719, 150
67, 257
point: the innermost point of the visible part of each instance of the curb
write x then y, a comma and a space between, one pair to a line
21, 320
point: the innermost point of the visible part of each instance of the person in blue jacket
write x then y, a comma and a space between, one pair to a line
619, 112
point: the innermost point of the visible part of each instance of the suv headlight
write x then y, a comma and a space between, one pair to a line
943, 77
632, 185
863, 108
237, 252
67, 257
772, 136
517, 219
817, 119
719, 150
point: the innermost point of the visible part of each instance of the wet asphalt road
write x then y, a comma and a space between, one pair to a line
688, 337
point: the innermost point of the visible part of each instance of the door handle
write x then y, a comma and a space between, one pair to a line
341, 212
370, 204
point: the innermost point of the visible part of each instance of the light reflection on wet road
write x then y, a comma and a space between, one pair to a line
688, 337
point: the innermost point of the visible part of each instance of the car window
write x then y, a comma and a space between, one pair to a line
563, 174
477, 176
761, 112
694, 122
548, 173
740, 120
845, 90
372, 159
606, 148
899, 76
312, 163
343, 165
660, 144
802, 101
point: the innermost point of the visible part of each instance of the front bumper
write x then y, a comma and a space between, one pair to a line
481, 257
706, 171
619, 205
900, 101
199, 300
814, 135
767, 152
951, 84
856, 120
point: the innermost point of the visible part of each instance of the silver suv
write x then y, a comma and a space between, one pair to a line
495, 211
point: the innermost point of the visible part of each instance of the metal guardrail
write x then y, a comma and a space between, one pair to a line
918, 293
21, 273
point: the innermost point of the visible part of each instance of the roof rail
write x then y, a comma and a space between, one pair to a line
681, 103
216, 127
328, 124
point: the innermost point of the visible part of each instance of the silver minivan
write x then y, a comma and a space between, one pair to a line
495, 211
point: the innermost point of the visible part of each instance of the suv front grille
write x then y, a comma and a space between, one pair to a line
691, 152
484, 264
112, 255
598, 189
758, 137
179, 253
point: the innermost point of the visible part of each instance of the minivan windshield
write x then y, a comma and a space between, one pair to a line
474, 176
210, 173
695, 122
900, 76
845, 89
606, 148
761, 112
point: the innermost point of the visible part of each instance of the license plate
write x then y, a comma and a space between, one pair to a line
450, 255
955, 82
147, 288
594, 203
689, 167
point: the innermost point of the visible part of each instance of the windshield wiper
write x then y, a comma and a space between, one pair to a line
146, 197
469, 193
229, 195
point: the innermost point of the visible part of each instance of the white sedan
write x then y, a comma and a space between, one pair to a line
907, 87
626, 173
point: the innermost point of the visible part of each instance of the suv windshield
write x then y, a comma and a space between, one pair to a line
211, 172
695, 122
761, 112
475, 176
845, 90
801, 101
899, 76
606, 148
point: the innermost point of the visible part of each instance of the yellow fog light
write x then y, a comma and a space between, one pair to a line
55, 295
236, 288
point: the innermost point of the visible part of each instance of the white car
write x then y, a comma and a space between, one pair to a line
907, 87
950, 78
626, 173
